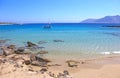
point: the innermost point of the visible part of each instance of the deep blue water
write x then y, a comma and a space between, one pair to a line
81, 40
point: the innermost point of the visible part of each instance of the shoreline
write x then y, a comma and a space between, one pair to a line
16, 62
100, 67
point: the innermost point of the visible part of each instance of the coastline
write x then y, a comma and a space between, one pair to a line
100, 67
17, 65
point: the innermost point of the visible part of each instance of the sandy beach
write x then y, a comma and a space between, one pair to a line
59, 38
16, 62
102, 67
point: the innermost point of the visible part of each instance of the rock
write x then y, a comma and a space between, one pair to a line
42, 42
7, 51
2, 41
54, 65
42, 52
58, 41
12, 56
27, 62
72, 63
17, 65
66, 72
1, 61
52, 75
38, 58
40, 47
20, 50
30, 44
32, 57
1, 52
43, 70
82, 62
26, 59
20, 62
31, 70
60, 75
36, 48
35, 63
11, 47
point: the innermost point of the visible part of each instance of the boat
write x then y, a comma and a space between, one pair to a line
47, 26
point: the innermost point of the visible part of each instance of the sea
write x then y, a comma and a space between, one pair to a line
66, 40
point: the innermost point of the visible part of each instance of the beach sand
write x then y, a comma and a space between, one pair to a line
102, 67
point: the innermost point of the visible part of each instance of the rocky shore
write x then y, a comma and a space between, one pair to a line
16, 60
21, 62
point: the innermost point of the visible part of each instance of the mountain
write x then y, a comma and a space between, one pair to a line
106, 19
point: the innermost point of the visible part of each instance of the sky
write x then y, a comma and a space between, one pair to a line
44, 11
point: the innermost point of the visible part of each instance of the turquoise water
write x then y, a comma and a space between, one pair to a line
80, 40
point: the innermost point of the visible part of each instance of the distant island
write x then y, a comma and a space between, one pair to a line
7, 23
106, 19
112, 26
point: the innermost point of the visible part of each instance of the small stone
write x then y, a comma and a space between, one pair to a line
66, 72
82, 62
43, 69
27, 62
72, 63
31, 70
35, 63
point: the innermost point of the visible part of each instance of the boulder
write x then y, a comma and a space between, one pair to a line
38, 58
7, 51
30, 44
11, 47
72, 63
26, 59
20, 50
2, 41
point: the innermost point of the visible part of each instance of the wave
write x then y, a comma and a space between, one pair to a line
107, 53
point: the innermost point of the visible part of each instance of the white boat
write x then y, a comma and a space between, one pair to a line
47, 26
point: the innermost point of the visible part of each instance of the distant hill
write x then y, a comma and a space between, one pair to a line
7, 23
106, 19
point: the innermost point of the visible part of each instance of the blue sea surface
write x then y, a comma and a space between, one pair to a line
79, 40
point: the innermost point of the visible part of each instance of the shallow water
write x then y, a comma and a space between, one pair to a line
79, 40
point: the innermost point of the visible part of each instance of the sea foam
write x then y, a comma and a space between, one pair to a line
107, 53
